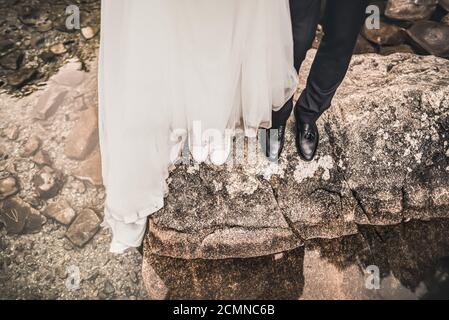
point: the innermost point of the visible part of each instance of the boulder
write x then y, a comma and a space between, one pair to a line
410, 10
382, 160
390, 138
387, 34
431, 36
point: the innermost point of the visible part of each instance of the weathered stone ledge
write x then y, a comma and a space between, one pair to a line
383, 160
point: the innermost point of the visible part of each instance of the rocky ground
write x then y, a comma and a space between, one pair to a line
50, 186
35, 41
52, 197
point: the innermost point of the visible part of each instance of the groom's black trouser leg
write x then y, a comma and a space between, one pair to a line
342, 22
305, 15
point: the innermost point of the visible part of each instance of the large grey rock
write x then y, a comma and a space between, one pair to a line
390, 138
382, 160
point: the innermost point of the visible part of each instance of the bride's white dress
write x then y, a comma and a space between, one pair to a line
170, 66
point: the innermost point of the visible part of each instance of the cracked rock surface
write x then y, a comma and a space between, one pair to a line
383, 160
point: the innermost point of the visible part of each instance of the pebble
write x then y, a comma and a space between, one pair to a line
67, 246
48, 182
42, 158
12, 132
5, 45
108, 288
44, 26
133, 276
21, 77
31, 146
12, 61
22, 165
34, 201
34, 222
89, 32
30, 279
47, 56
58, 49
8, 187
61, 211
85, 226
3, 153
93, 275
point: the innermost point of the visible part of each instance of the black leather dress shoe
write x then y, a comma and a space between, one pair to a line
307, 138
272, 142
